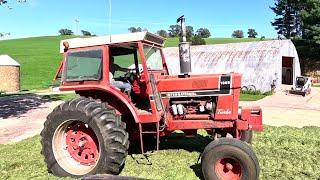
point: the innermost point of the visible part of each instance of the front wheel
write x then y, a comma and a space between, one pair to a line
82, 137
228, 158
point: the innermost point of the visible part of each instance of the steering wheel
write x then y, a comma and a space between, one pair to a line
130, 76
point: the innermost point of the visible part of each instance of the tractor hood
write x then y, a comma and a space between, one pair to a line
199, 85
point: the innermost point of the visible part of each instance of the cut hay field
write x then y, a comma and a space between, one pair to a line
283, 152
39, 57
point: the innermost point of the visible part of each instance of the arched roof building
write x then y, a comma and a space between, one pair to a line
261, 62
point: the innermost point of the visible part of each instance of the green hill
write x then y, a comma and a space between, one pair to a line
39, 57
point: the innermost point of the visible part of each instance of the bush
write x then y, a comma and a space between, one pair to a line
64, 32
237, 34
256, 92
86, 33
197, 40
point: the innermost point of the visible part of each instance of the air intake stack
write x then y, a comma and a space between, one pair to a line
184, 49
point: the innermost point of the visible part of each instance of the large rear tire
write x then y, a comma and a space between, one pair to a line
82, 137
228, 158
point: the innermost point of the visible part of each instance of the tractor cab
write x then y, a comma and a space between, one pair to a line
115, 63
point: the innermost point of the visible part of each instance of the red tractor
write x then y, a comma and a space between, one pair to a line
91, 134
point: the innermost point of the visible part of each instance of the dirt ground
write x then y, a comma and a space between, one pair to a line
290, 110
23, 116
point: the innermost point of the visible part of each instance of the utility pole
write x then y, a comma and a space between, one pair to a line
77, 26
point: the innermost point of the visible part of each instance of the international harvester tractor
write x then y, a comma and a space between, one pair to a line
91, 134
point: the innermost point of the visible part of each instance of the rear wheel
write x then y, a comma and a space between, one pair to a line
229, 158
82, 137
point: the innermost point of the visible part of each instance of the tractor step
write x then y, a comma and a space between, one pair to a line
149, 132
157, 132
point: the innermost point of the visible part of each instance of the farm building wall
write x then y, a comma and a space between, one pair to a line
9, 78
260, 63
9, 74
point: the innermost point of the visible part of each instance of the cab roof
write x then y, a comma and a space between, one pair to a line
112, 39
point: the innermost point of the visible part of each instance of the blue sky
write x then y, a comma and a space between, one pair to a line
39, 17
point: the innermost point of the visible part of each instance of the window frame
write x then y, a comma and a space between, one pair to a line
64, 74
160, 53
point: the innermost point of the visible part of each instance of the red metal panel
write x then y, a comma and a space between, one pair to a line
173, 83
198, 124
253, 115
224, 109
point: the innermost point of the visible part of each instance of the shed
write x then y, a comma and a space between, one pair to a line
260, 63
9, 74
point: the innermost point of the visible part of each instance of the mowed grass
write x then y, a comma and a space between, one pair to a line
39, 57
283, 153
251, 97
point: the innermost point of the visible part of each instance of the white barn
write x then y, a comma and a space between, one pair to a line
260, 63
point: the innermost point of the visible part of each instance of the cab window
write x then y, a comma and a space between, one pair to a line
153, 58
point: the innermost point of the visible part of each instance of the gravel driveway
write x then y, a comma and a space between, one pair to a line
23, 116
290, 110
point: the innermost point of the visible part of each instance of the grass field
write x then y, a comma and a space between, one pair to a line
283, 152
251, 97
39, 57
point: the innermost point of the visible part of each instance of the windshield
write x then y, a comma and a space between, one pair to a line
153, 58
84, 65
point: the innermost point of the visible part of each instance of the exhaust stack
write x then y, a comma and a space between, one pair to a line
184, 49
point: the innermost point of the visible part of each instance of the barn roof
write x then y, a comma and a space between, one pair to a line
113, 39
6, 60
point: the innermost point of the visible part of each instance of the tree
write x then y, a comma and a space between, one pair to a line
86, 33
203, 32
136, 29
162, 33
174, 30
189, 31
252, 33
197, 40
4, 34
237, 34
3, 2
64, 32
310, 16
288, 19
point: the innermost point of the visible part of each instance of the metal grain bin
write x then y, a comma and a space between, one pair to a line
9, 74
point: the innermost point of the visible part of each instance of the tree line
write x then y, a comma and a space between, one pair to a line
297, 19
195, 37
68, 32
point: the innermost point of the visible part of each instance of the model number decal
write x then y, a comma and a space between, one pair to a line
174, 94
225, 82
224, 111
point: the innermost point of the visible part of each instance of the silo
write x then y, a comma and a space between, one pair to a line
9, 74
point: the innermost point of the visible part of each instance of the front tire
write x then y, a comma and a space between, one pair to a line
228, 158
82, 137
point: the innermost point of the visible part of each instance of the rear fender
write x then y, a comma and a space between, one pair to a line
112, 96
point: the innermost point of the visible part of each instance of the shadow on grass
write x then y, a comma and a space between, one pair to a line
16, 105
190, 144
179, 141
197, 170
175, 141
